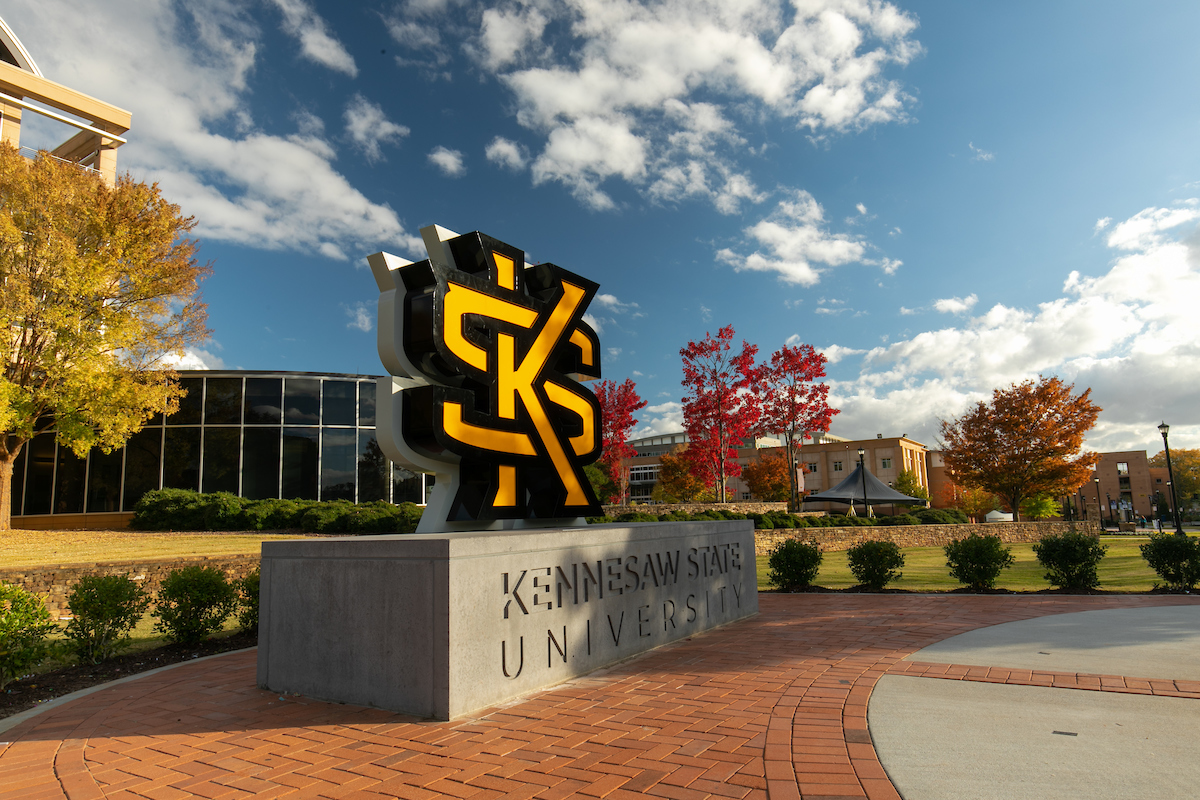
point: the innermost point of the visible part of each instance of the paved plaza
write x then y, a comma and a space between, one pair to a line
966, 696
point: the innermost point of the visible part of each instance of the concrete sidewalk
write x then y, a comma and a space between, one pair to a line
772, 707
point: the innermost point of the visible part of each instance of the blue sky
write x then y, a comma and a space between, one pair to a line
943, 197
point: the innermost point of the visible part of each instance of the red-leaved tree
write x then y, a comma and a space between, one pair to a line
720, 409
794, 403
618, 402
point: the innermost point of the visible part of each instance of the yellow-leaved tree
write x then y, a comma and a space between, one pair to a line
98, 286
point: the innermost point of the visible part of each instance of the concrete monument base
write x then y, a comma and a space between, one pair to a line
440, 625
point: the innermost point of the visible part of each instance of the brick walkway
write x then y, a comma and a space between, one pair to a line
771, 707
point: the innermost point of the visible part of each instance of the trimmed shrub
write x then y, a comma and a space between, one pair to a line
898, 519
940, 516
168, 509
794, 564
1071, 559
781, 519
180, 509
637, 516
763, 522
104, 609
875, 564
1176, 559
194, 603
24, 625
248, 601
976, 561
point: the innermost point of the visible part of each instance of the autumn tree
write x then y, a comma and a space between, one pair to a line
98, 286
1185, 466
1027, 441
793, 403
769, 476
908, 483
618, 402
719, 409
677, 480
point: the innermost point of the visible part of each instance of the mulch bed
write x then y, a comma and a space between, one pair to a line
29, 692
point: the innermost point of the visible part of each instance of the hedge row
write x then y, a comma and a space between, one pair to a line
781, 519
192, 604
183, 510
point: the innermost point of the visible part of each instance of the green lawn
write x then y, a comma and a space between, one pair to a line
1122, 569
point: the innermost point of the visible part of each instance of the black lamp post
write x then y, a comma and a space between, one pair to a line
1163, 428
1099, 510
1108, 499
862, 468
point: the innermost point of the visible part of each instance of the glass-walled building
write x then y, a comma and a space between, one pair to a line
256, 434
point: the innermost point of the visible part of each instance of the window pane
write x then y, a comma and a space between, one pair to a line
264, 401
18, 482
223, 401
406, 486
221, 446
302, 401
300, 463
68, 482
181, 459
190, 405
366, 403
143, 455
430, 480
104, 481
339, 402
39, 482
372, 469
260, 464
339, 453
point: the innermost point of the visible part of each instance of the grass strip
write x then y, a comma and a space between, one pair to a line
22, 548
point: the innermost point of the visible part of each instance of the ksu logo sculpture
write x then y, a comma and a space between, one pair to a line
486, 357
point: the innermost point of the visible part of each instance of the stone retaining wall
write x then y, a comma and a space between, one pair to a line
54, 583
917, 535
659, 509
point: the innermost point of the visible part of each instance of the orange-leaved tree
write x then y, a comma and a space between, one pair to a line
1027, 441
98, 286
677, 479
769, 476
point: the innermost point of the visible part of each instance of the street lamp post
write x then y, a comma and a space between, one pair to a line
1099, 510
862, 468
1163, 428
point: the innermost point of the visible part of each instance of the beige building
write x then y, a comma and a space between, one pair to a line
828, 460
24, 90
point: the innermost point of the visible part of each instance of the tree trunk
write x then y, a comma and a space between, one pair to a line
6, 473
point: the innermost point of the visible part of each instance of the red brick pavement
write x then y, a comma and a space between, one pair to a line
771, 707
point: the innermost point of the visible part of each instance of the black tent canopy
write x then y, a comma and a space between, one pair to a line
850, 491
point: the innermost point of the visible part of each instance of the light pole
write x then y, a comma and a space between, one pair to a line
1108, 499
1163, 428
1099, 510
862, 468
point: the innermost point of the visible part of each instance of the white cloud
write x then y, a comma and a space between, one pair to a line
956, 305
450, 162
1128, 333
362, 317
908, 312
193, 358
862, 209
706, 314
637, 373
835, 352
611, 303
662, 418
594, 322
368, 127
796, 239
1143, 230
1101, 224
653, 95
980, 155
316, 43
613, 352
194, 131
890, 265
506, 153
